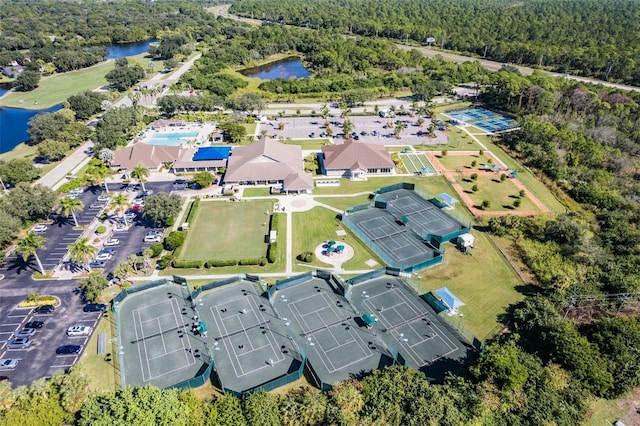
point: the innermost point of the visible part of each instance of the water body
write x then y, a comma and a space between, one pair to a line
14, 121
122, 50
285, 69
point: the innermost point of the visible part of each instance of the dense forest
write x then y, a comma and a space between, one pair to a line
598, 38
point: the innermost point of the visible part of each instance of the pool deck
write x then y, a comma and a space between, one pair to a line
202, 132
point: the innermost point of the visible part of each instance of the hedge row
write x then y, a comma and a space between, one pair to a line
196, 264
193, 210
272, 252
218, 263
262, 261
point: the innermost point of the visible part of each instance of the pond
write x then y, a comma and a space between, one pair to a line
285, 69
13, 125
122, 50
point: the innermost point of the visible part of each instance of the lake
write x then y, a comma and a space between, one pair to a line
13, 121
285, 69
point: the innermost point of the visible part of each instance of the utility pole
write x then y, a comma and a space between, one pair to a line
485, 51
540, 64
606, 77
4, 188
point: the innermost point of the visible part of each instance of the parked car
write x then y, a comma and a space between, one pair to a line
95, 307
109, 250
69, 350
19, 343
112, 242
79, 330
34, 324
45, 309
98, 264
76, 191
96, 206
153, 239
103, 256
120, 228
25, 332
146, 193
8, 364
136, 208
40, 228
104, 199
130, 216
156, 232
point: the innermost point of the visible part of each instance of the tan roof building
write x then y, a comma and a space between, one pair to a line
149, 156
267, 162
356, 160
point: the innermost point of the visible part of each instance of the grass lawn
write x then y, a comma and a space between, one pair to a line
314, 226
397, 148
605, 412
501, 195
228, 231
20, 151
484, 281
344, 203
458, 141
255, 192
526, 177
309, 144
455, 162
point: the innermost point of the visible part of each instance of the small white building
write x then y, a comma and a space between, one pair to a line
273, 236
465, 241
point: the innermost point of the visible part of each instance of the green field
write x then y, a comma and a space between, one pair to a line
344, 203
501, 195
309, 144
256, 192
484, 281
312, 227
227, 231
462, 162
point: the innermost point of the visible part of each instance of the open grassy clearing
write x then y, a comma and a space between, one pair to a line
526, 177
58, 87
314, 226
394, 148
228, 231
256, 192
605, 412
309, 144
484, 281
463, 162
501, 195
344, 203
20, 151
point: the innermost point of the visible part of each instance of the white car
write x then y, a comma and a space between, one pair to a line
112, 242
153, 239
79, 330
138, 203
120, 228
104, 256
8, 364
130, 216
104, 199
40, 228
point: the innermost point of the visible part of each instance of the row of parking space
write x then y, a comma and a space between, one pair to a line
51, 347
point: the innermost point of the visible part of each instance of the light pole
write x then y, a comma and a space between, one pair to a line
4, 188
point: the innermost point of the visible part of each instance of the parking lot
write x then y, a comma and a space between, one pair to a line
40, 359
369, 129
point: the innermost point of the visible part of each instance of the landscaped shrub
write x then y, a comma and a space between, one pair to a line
196, 264
170, 221
259, 261
307, 256
156, 249
192, 210
165, 261
101, 229
219, 263
174, 240
272, 252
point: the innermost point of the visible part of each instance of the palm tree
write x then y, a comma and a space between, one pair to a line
120, 203
400, 126
99, 172
82, 251
140, 173
347, 128
68, 206
324, 112
29, 245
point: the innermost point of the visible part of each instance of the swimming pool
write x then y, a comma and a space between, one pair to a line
171, 139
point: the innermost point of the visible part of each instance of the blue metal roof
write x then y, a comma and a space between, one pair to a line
448, 298
212, 153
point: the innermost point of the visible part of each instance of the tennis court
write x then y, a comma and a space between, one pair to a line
424, 341
156, 340
484, 119
421, 213
251, 346
325, 324
417, 163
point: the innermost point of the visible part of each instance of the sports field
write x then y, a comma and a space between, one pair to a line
228, 231
501, 194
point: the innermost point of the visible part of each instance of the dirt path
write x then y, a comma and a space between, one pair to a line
451, 177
